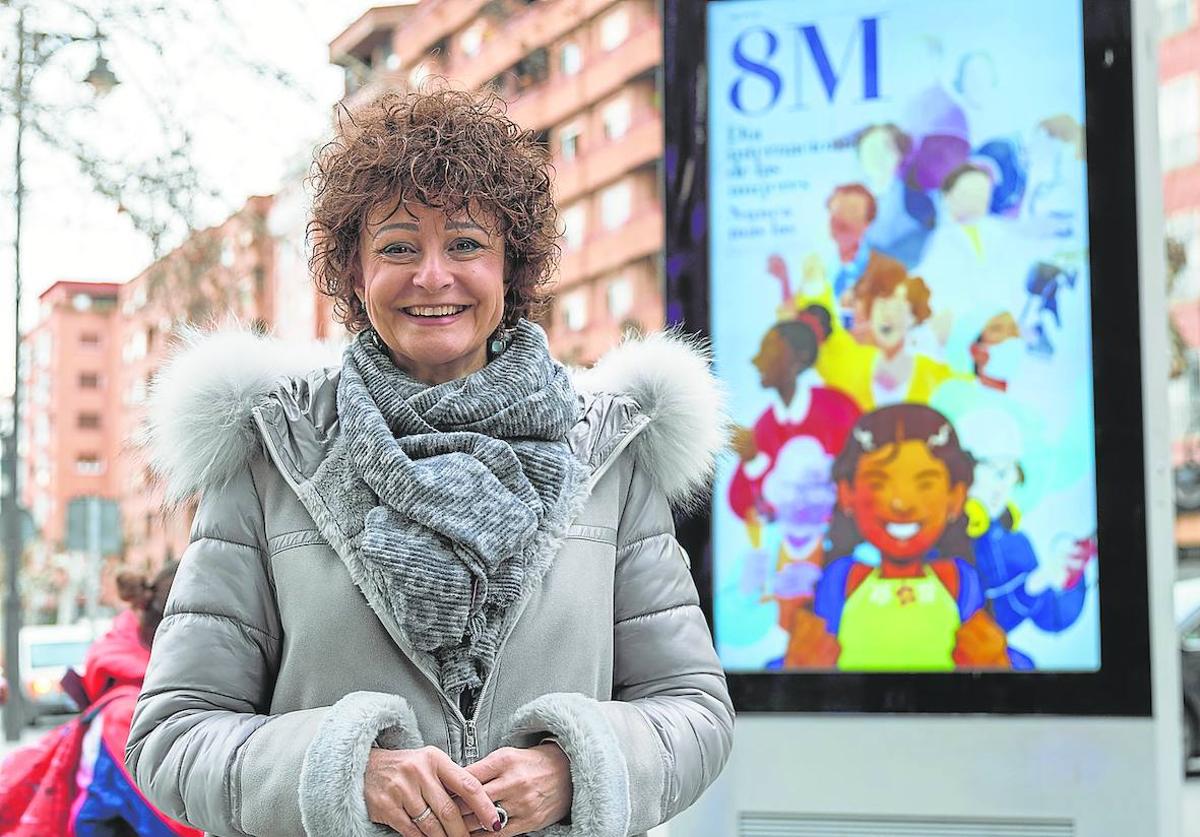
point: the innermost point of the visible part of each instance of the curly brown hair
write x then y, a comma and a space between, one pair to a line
881, 279
448, 149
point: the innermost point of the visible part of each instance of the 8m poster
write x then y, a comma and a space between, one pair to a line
900, 289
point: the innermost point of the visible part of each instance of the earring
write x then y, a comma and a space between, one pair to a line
498, 343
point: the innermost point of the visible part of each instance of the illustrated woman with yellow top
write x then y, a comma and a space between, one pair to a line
882, 369
906, 599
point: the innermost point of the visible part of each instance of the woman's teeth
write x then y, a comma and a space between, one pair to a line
903, 531
434, 310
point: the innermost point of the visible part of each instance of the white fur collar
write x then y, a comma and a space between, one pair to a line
201, 431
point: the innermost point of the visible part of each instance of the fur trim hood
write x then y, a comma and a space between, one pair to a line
202, 432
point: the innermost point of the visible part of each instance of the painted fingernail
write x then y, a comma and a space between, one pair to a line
497, 825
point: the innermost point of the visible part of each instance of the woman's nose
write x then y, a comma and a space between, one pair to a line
433, 274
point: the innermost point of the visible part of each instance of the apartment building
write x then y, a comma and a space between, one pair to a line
221, 274
584, 74
69, 438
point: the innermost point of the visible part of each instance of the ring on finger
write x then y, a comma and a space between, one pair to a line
502, 815
424, 815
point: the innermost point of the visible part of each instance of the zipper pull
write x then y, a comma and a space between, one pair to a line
470, 750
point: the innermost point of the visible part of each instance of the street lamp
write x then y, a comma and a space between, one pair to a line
40, 46
101, 78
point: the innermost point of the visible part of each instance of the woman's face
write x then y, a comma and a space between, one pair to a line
891, 319
901, 499
433, 288
970, 197
878, 155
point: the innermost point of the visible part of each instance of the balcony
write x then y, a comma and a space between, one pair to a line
538, 26
639, 237
560, 97
368, 25
640, 146
431, 21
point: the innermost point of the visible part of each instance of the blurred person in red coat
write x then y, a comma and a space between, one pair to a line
74, 780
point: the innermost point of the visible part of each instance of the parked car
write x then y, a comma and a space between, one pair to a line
47, 651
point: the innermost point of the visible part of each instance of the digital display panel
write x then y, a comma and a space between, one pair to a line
899, 301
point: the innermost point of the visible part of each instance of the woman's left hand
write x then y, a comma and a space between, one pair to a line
533, 785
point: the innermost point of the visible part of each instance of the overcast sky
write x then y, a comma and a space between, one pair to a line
248, 133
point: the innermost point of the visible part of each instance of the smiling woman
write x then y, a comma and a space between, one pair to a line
436, 588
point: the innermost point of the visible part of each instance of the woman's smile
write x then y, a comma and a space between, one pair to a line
435, 314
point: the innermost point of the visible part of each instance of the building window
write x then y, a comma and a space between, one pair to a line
616, 118
89, 380
1174, 16
88, 421
1179, 121
89, 340
570, 59
135, 349
575, 311
614, 29
620, 297
81, 302
89, 465
616, 205
568, 142
574, 226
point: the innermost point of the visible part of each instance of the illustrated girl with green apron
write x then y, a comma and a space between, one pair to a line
907, 598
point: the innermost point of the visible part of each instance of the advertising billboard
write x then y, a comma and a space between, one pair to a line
900, 297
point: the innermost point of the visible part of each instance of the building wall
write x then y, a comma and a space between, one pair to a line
226, 273
70, 436
584, 75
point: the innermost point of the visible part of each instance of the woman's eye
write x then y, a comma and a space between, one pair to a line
397, 249
465, 245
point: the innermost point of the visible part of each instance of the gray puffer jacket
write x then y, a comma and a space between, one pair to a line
272, 676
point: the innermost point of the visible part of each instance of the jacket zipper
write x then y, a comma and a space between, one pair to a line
471, 747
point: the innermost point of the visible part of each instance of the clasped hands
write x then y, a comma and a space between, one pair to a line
423, 793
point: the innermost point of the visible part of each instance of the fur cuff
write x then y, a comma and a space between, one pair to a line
331, 780
600, 805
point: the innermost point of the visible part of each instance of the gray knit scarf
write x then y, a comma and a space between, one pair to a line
474, 482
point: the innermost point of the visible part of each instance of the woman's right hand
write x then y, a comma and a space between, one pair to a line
400, 784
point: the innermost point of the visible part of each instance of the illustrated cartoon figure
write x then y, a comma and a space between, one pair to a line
904, 215
996, 352
941, 138
801, 406
801, 496
851, 210
907, 598
1043, 283
968, 261
1049, 593
1054, 199
883, 368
